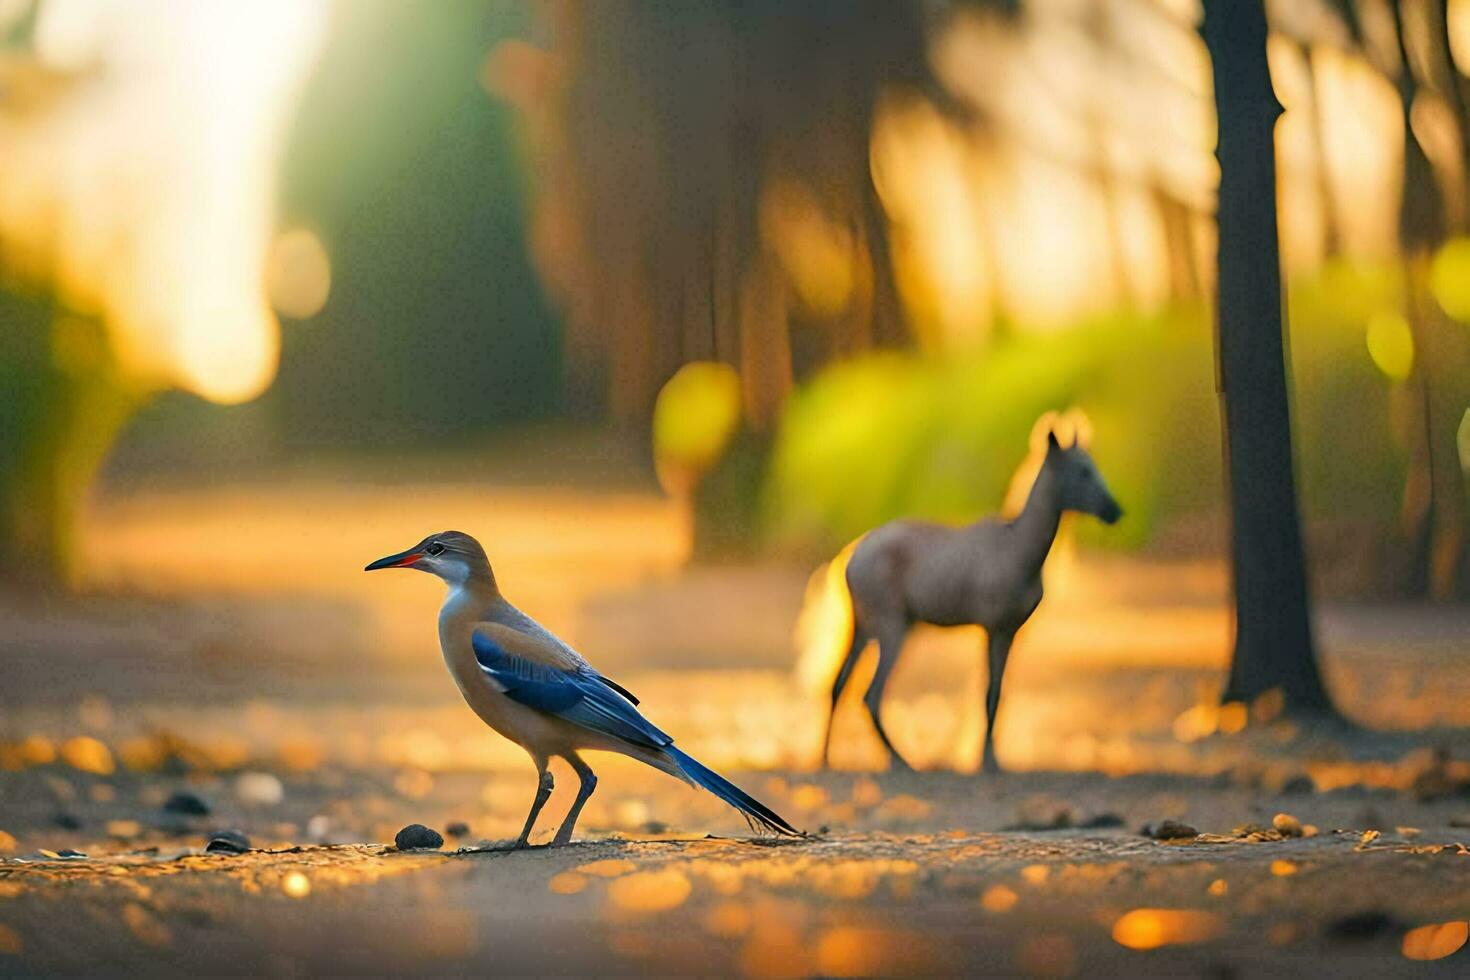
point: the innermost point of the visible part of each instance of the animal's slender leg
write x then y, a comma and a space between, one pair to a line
999, 642
589, 783
844, 673
890, 645
543, 793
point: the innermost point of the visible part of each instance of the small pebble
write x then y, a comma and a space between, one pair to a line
457, 828
318, 827
1168, 830
186, 803
228, 842
259, 789
1287, 825
67, 852
416, 837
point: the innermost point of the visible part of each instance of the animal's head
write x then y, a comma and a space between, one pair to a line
452, 555
1080, 485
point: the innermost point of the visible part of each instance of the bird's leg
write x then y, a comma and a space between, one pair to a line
543, 793
589, 783
999, 642
890, 645
844, 673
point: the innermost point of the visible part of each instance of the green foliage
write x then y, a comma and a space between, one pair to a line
940, 437
694, 418
63, 402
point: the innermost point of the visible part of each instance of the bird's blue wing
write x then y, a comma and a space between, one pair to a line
579, 694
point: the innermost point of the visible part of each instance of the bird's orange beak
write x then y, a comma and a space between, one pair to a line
400, 560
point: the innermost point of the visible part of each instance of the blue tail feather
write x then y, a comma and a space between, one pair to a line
757, 813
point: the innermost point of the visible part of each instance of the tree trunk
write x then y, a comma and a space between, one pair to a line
1274, 646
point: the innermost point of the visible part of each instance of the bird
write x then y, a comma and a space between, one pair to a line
536, 691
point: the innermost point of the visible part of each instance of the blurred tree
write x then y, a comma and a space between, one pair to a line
1409, 44
1274, 646
116, 282
1434, 495
704, 184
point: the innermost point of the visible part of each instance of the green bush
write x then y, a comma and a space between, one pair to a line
939, 437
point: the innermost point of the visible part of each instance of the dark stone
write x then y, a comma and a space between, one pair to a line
1298, 785
1168, 830
1059, 820
227, 842
69, 853
1101, 821
67, 821
457, 828
417, 837
187, 804
1361, 925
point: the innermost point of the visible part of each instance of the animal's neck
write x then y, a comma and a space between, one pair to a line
1036, 527
477, 591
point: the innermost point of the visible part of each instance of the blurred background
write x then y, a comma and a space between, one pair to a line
667, 303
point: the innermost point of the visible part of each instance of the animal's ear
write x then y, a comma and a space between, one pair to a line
1051, 440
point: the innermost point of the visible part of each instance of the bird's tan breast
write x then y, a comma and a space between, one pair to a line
539, 734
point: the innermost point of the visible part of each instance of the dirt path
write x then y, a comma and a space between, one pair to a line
1048, 904
302, 703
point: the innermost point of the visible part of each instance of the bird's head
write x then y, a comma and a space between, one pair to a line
452, 555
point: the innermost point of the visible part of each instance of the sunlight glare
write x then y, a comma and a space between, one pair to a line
144, 191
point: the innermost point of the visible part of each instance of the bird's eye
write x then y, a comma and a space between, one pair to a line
434, 549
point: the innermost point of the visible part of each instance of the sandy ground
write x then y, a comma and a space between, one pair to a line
921, 877
224, 647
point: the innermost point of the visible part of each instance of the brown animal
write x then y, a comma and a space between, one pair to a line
985, 574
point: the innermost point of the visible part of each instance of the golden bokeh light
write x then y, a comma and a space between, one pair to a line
607, 868
298, 274
296, 884
999, 899
649, 891
1391, 344
1449, 278
185, 107
1435, 942
863, 951
694, 418
88, 755
567, 883
1144, 929
1233, 717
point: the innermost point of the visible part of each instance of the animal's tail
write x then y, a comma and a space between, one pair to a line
756, 813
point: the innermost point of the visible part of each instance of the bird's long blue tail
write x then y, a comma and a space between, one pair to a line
757, 813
